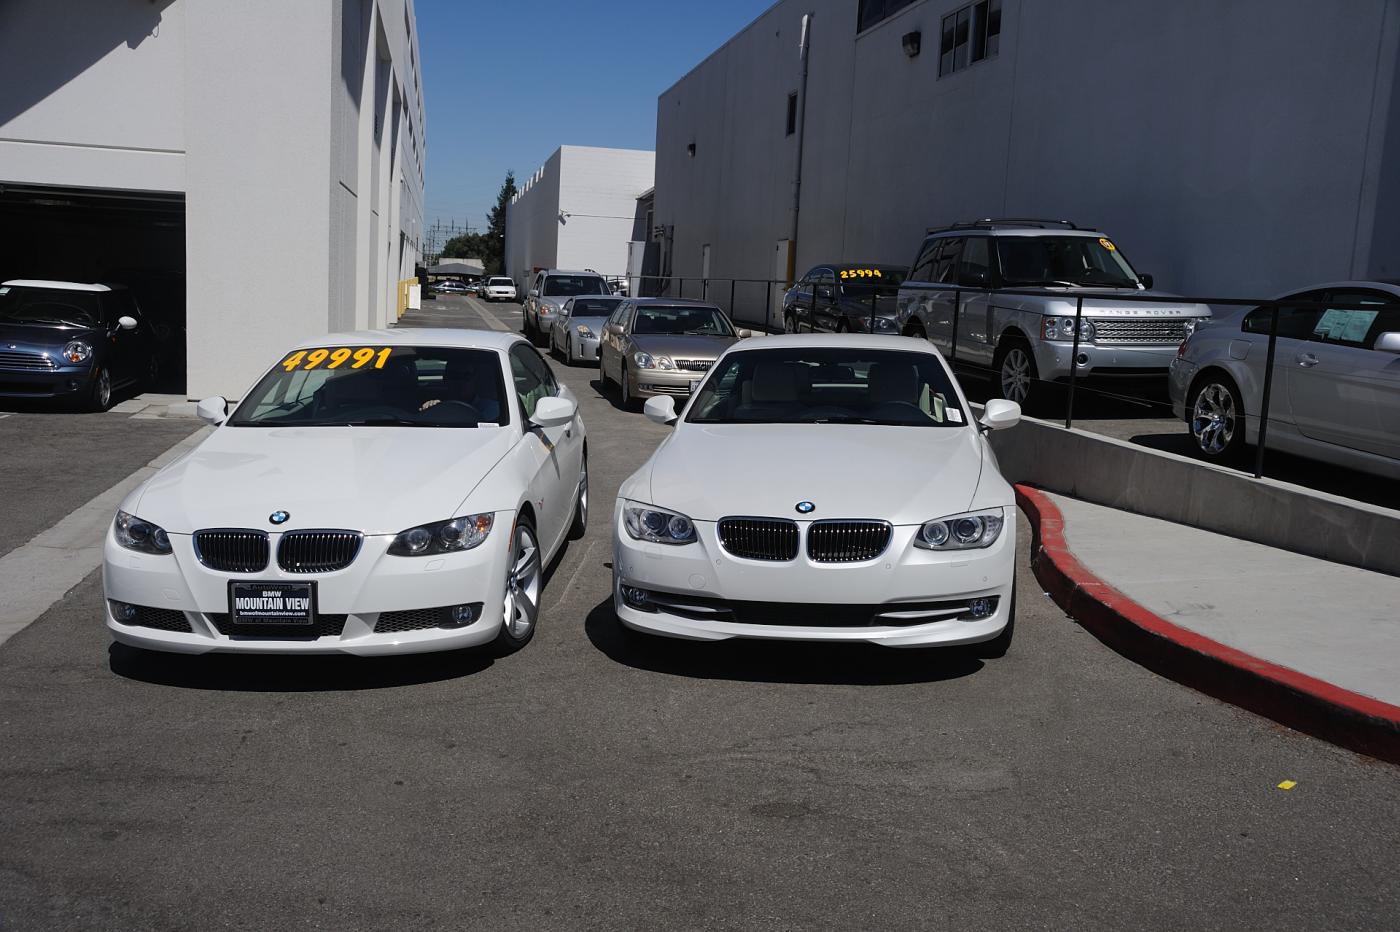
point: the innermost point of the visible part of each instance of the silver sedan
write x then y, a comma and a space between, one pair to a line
662, 346
577, 330
1335, 393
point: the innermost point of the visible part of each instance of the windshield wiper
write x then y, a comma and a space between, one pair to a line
390, 422
1016, 282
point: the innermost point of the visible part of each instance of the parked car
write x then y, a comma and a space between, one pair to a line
450, 286
844, 298
1335, 393
886, 520
73, 342
957, 296
498, 288
578, 327
662, 346
619, 286
385, 558
548, 291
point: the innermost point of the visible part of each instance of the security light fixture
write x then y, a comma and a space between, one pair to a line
690, 150
911, 42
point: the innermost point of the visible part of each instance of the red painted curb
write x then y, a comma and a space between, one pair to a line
1322, 709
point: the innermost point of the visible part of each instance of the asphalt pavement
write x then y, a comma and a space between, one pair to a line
600, 780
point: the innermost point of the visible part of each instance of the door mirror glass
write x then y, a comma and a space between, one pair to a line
743, 334
213, 410
126, 323
661, 409
1388, 342
553, 412
1000, 414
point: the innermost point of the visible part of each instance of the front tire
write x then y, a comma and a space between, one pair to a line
99, 394
1016, 373
1217, 418
524, 579
628, 402
580, 523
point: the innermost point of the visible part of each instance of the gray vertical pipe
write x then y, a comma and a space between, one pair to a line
801, 136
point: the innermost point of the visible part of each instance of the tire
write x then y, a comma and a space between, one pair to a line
569, 358
916, 331
99, 394
1015, 376
603, 379
999, 645
1215, 416
579, 526
152, 377
523, 584
842, 326
789, 323
553, 346
628, 402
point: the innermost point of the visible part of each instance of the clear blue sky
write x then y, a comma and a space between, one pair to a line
505, 84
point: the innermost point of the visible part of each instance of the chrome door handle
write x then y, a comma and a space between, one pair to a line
1307, 360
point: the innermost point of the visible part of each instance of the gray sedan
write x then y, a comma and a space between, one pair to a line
1336, 385
662, 346
578, 328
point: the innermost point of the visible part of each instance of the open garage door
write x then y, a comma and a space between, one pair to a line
131, 238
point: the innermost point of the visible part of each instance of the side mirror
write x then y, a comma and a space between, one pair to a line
1388, 342
212, 410
1146, 280
126, 323
661, 409
825, 292
534, 293
974, 279
553, 412
743, 334
614, 328
1000, 414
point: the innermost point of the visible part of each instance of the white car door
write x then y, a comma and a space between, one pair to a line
1342, 390
554, 452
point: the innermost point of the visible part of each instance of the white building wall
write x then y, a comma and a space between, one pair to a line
1241, 148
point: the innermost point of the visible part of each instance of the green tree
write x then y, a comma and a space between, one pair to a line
465, 246
495, 235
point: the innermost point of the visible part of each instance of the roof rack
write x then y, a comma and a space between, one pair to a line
992, 223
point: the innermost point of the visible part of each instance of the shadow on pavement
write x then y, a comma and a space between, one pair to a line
611, 394
773, 661
292, 674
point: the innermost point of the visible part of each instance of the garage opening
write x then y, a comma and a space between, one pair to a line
130, 238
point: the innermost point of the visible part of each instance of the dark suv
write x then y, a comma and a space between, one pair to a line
73, 342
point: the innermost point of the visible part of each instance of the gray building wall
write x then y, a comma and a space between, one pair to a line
1231, 149
294, 131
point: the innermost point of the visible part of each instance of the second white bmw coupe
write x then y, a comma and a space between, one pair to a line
822, 488
381, 492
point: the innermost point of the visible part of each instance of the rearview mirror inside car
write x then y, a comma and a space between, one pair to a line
661, 409
1000, 414
553, 412
212, 410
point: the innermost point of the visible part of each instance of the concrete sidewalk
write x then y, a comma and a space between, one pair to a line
1310, 643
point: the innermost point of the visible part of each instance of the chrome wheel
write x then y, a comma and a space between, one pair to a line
1213, 419
522, 603
102, 391
1017, 373
789, 323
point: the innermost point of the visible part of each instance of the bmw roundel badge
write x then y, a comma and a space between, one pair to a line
805, 508
279, 517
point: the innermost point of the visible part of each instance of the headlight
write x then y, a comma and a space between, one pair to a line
1192, 324
77, 351
143, 536
1062, 328
583, 331
462, 533
657, 526
644, 360
961, 532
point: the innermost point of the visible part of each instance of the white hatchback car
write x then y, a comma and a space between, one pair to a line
822, 488
381, 492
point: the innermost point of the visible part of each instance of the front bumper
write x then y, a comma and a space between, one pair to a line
373, 584
500, 294
902, 579
648, 383
1179, 378
62, 382
584, 348
1151, 361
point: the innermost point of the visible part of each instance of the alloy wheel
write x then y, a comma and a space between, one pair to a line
583, 493
789, 323
522, 601
103, 393
1016, 375
1213, 419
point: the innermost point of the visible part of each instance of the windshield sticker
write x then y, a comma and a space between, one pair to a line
860, 273
953, 414
1347, 326
1106, 243
335, 357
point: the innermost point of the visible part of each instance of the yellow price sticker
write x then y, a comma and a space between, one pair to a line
1106, 244
337, 356
860, 273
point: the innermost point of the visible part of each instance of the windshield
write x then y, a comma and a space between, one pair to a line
594, 307
1063, 260
49, 306
828, 385
864, 281
500, 281
574, 284
372, 386
696, 321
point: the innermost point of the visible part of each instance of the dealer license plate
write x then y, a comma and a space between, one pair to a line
272, 603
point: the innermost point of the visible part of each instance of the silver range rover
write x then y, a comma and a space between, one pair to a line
961, 296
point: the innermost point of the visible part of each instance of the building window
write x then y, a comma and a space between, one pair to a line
876, 11
969, 35
792, 114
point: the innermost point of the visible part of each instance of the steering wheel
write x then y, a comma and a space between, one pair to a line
825, 411
885, 409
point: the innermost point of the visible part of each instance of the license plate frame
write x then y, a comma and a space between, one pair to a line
276, 616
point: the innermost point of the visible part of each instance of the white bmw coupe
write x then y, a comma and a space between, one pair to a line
822, 488
380, 492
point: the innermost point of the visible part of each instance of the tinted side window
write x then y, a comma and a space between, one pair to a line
976, 268
1294, 323
946, 265
924, 263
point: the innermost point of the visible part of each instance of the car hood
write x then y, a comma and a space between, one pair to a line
904, 475
41, 337
683, 345
1100, 302
592, 323
379, 480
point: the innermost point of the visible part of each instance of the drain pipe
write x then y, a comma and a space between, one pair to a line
803, 47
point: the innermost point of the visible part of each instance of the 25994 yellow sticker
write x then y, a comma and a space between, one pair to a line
335, 357
861, 273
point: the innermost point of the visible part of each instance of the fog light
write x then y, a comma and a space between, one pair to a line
637, 598
123, 612
463, 614
981, 608
1082, 359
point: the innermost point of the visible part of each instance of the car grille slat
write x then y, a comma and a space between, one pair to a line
322, 626
847, 541
232, 550
1171, 331
318, 551
771, 539
29, 362
694, 365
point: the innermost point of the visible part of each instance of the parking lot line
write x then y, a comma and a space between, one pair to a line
36, 575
